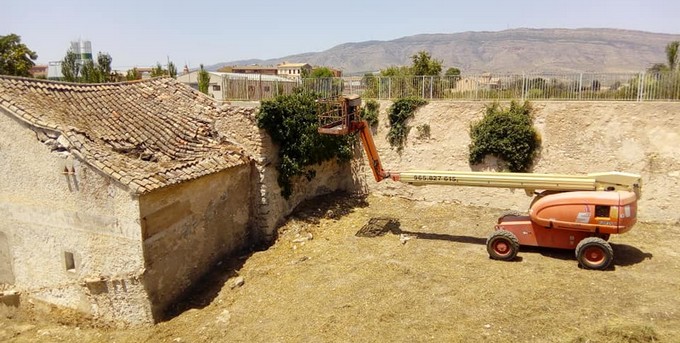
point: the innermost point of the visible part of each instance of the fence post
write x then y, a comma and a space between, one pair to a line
524, 85
580, 84
389, 88
640, 86
431, 85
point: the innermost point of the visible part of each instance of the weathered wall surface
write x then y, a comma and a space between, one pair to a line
270, 208
187, 227
578, 137
73, 239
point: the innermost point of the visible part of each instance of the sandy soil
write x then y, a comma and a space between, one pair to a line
432, 282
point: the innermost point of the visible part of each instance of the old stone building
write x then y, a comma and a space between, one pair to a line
116, 198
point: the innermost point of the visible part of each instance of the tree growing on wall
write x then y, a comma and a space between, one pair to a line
203, 80
15, 57
291, 121
507, 133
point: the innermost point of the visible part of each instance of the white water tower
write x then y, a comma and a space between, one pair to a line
82, 49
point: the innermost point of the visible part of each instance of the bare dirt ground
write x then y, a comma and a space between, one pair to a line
432, 281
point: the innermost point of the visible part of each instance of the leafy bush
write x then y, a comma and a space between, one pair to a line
423, 131
291, 121
370, 113
401, 110
506, 133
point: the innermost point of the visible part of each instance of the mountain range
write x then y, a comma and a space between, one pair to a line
508, 51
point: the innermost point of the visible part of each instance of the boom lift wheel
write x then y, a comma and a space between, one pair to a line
502, 245
594, 253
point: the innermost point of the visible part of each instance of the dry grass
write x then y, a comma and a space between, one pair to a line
434, 282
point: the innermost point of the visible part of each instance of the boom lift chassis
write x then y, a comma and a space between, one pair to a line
577, 212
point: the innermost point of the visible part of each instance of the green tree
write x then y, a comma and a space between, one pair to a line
321, 72
291, 121
158, 71
396, 71
370, 83
89, 73
15, 57
672, 55
452, 72
424, 64
398, 114
104, 67
75, 70
657, 68
203, 80
133, 74
506, 133
70, 67
172, 70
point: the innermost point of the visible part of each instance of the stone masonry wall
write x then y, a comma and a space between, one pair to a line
187, 227
72, 234
239, 125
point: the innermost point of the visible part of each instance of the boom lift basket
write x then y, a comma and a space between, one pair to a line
336, 117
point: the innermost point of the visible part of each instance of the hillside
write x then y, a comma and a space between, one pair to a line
508, 51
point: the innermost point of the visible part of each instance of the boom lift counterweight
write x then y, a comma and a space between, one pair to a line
568, 211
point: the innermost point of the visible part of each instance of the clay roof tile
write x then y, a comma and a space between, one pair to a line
146, 134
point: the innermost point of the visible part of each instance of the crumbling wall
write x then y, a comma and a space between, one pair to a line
72, 233
187, 227
239, 125
578, 137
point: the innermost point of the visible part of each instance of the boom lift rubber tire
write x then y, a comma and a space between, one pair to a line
594, 253
502, 245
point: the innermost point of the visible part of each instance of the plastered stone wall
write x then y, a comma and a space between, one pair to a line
239, 125
578, 137
187, 227
74, 238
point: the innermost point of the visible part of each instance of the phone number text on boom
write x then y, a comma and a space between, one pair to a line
434, 178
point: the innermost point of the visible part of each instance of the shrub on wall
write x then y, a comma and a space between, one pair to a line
507, 133
400, 111
291, 121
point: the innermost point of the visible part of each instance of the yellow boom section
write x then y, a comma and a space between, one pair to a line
609, 181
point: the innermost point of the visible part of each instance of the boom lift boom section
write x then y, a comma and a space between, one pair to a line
569, 211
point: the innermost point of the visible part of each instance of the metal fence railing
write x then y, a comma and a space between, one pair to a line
571, 87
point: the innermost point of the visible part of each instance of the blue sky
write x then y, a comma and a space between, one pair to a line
142, 32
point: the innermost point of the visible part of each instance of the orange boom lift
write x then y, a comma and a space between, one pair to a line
577, 212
